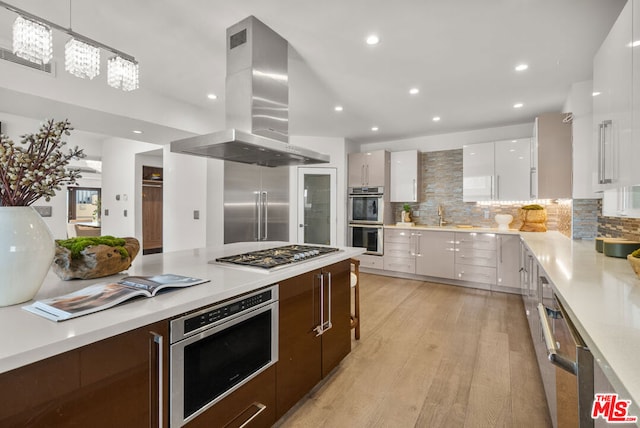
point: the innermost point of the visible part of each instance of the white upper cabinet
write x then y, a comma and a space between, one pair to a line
513, 169
613, 73
497, 171
405, 176
553, 158
478, 168
369, 169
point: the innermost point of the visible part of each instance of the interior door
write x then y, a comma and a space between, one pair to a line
317, 214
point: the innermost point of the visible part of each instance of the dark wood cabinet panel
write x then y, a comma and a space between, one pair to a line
305, 358
242, 404
336, 342
109, 383
299, 354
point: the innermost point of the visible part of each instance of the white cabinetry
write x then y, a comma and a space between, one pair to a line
369, 169
435, 254
497, 171
399, 251
405, 176
613, 73
513, 170
475, 258
552, 160
508, 264
478, 167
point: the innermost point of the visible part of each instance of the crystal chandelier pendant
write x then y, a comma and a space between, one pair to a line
81, 59
32, 40
122, 73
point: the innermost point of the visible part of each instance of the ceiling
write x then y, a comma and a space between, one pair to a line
460, 55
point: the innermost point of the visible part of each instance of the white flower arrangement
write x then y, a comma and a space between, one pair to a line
28, 174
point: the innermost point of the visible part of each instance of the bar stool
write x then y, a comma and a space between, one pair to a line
355, 284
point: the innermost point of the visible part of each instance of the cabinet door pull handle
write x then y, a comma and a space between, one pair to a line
320, 329
256, 409
415, 190
156, 344
329, 323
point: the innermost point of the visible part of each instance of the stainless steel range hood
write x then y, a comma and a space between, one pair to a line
257, 104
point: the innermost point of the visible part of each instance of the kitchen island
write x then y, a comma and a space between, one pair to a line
144, 362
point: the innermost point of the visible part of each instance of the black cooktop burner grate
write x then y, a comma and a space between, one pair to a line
279, 256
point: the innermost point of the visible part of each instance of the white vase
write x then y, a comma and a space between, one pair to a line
26, 252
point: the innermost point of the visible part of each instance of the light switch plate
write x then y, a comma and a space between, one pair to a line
196, 214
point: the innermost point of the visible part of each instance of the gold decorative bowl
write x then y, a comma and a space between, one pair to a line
635, 264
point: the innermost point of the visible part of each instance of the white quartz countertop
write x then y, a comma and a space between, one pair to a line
27, 337
602, 296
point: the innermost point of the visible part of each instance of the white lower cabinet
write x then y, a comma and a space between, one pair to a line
476, 257
483, 260
508, 264
399, 251
435, 254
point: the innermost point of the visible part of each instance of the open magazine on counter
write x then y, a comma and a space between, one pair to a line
105, 295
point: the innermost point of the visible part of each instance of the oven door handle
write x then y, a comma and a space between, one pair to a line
550, 342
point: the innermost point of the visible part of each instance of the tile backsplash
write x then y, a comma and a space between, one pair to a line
442, 185
619, 227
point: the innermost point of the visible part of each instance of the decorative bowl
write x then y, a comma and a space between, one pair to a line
503, 221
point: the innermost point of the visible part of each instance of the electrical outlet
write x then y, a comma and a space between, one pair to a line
106, 211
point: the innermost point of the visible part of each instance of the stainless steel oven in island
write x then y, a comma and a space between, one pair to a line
219, 349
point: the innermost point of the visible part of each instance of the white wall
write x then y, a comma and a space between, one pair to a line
580, 103
454, 140
215, 202
121, 186
336, 148
184, 191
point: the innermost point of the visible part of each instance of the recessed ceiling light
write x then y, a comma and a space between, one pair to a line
436, 118
338, 108
374, 128
521, 67
595, 94
518, 105
414, 91
212, 96
372, 39
135, 131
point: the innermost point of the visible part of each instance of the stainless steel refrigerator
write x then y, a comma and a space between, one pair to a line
256, 203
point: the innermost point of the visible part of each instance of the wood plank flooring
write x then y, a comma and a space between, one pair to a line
431, 355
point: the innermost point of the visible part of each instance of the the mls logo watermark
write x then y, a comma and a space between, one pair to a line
612, 409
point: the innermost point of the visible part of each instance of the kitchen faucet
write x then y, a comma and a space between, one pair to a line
441, 221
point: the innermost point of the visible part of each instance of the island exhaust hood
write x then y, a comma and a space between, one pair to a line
257, 104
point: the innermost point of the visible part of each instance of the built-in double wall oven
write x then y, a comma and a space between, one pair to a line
366, 218
218, 349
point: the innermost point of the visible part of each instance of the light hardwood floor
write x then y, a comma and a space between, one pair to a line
431, 355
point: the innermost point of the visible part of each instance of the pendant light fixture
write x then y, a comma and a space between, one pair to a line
33, 41
81, 59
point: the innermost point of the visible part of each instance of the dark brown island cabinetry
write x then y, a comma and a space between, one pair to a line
306, 352
115, 382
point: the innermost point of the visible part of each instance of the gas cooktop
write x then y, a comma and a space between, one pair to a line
277, 257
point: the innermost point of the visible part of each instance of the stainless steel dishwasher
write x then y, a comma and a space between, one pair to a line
573, 366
